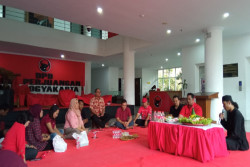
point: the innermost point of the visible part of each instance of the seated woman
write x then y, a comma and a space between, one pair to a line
236, 134
15, 139
48, 123
73, 120
33, 131
145, 112
85, 118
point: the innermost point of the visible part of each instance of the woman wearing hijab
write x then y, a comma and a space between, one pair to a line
33, 131
73, 120
236, 134
15, 141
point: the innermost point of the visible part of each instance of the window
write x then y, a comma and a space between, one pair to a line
105, 35
61, 25
14, 14
1, 11
170, 79
96, 33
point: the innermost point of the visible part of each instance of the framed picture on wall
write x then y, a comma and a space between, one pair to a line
230, 70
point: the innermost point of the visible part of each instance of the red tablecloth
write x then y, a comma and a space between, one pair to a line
200, 144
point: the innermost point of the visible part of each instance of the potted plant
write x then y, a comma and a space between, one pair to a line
184, 86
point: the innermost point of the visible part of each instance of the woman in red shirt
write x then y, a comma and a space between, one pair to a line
48, 123
15, 138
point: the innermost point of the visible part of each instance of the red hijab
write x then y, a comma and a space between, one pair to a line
35, 110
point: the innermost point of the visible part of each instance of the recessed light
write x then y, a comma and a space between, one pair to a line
102, 65
141, 15
161, 67
164, 23
168, 31
99, 10
166, 59
179, 53
226, 15
62, 56
197, 40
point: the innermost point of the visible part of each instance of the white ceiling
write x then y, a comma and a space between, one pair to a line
186, 18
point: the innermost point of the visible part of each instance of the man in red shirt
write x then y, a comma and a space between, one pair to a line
123, 116
97, 108
145, 113
186, 111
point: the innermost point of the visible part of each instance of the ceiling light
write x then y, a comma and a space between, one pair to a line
99, 10
179, 53
102, 65
225, 15
164, 23
168, 31
161, 67
166, 59
197, 40
62, 56
141, 15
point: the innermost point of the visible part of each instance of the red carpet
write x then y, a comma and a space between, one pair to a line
106, 151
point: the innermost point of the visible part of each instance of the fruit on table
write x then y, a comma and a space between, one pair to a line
195, 119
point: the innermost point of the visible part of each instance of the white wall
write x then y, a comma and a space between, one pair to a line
235, 50
247, 86
149, 78
99, 79
113, 77
106, 79
40, 36
138, 73
192, 57
87, 88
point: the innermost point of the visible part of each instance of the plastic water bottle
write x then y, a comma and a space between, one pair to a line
78, 143
116, 134
113, 134
159, 116
155, 116
119, 134
139, 116
163, 116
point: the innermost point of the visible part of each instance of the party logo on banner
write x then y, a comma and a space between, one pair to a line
44, 65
